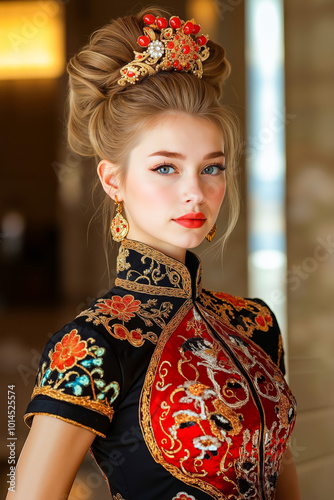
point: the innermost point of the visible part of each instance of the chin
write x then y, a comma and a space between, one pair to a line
192, 242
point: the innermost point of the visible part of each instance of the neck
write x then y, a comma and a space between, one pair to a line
174, 252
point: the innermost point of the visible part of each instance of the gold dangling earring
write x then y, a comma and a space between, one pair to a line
212, 233
119, 226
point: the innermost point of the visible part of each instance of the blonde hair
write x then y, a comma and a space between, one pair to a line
105, 119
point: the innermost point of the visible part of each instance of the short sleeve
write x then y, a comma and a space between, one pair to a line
78, 380
272, 343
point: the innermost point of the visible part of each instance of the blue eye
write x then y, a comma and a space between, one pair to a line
214, 169
165, 169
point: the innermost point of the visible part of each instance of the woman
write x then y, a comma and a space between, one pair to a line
178, 391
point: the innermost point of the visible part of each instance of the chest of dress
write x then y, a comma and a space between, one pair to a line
215, 411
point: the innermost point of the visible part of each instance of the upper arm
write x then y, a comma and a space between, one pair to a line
287, 483
50, 458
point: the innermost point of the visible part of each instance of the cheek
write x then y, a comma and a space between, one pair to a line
216, 192
145, 194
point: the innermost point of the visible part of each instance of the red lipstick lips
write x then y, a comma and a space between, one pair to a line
191, 220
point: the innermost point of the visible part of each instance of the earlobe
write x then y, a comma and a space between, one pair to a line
107, 173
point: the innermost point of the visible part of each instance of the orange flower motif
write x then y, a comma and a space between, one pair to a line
122, 308
68, 351
135, 337
263, 321
233, 299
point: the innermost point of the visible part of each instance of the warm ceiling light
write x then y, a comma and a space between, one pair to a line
32, 39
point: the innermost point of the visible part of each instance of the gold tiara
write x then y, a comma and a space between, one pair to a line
175, 47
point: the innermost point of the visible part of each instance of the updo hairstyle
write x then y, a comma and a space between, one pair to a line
106, 119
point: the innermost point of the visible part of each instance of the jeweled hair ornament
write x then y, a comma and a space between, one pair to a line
175, 47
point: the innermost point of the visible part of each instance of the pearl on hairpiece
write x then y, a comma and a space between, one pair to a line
156, 49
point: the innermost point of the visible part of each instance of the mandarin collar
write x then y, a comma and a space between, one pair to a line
143, 269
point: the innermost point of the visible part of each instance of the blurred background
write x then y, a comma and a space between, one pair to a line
52, 263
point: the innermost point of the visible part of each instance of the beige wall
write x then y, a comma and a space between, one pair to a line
310, 210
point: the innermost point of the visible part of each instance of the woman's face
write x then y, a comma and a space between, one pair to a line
174, 184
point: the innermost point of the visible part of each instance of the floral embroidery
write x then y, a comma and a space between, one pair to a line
238, 302
197, 408
245, 315
135, 337
121, 307
68, 352
125, 308
75, 375
183, 496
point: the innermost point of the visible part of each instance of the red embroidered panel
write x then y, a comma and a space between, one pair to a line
216, 412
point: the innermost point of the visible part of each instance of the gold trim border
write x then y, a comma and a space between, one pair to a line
150, 289
68, 420
101, 407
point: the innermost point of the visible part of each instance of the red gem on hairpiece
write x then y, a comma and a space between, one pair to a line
186, 49
175, 22
175, 64
161, 23
170, 45
130, 74
144, 41
149, 19
188, 28
201, 40
196, 29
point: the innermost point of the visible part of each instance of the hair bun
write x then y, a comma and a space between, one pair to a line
94, 73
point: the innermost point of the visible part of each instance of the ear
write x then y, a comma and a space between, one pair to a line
107, 173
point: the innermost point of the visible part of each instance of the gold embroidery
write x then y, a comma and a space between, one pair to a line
176, 272
234, 418
125, 308
145, 417
162, 373
133, 286
121, 264
28, 421
283, 409
98, 406
280, 350
76, 367
134, 337
117, 497
226, 306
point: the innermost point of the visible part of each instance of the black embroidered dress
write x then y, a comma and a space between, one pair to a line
183, 387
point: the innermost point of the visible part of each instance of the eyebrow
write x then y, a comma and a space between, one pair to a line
171, 154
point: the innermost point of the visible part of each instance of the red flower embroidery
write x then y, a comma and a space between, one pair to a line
234, 300
68, 351
263, 322
135, 337
122, 308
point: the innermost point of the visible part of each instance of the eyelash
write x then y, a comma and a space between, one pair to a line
220, 167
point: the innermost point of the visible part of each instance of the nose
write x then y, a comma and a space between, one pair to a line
193, 190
